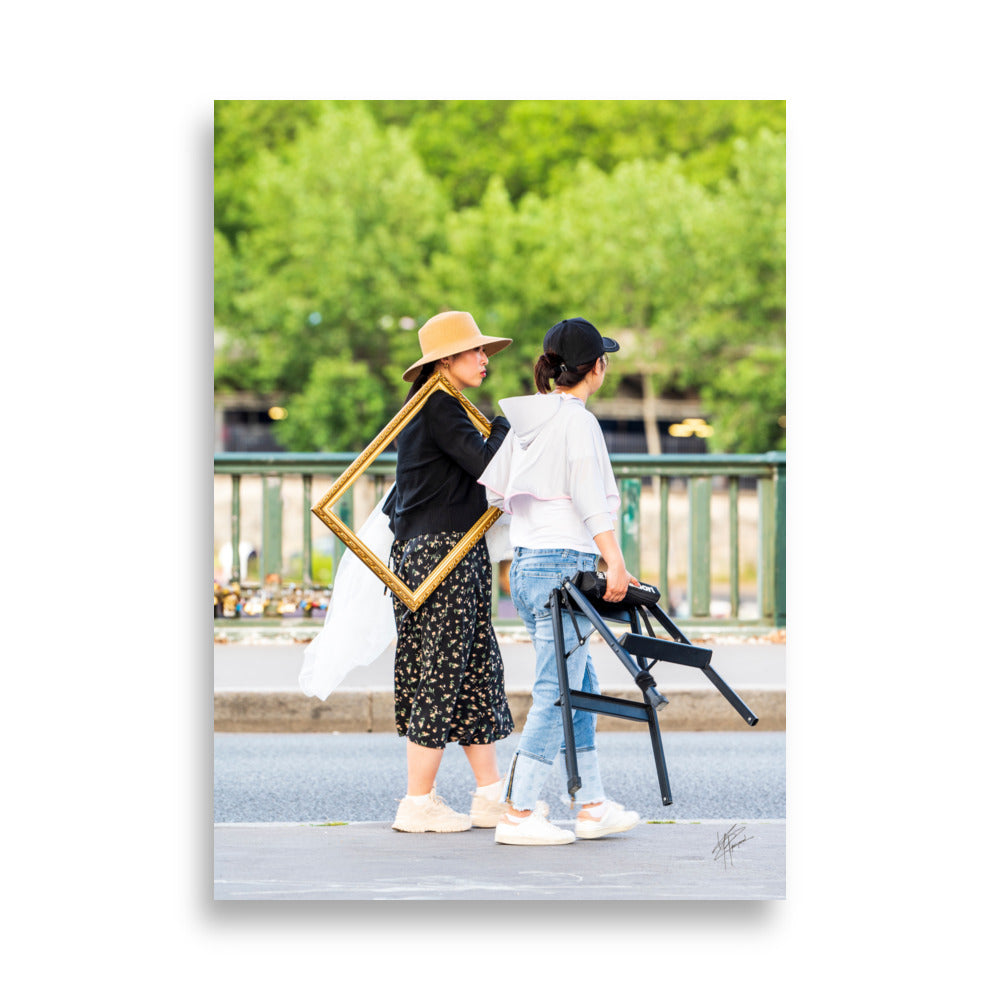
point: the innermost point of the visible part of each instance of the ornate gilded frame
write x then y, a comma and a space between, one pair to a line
324, 508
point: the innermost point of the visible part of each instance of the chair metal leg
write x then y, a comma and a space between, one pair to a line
572, 768
656, 739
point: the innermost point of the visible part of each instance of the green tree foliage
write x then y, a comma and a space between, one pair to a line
344, 222
341, 408
738, 335
243, 129
691, 282
746, 399
458, 141
344, 225
534, 145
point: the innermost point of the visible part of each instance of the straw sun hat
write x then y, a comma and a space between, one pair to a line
451, 333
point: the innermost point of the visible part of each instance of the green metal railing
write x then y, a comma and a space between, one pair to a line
703, 473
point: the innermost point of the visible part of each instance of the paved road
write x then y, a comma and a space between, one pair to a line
358, 777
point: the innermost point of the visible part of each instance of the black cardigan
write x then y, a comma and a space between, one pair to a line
441, 454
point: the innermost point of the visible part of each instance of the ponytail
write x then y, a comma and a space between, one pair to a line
550, 366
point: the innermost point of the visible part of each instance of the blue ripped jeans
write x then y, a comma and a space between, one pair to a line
534, 574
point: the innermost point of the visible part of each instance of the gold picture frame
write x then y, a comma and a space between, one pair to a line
324, 508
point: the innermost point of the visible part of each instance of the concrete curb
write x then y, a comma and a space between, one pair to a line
364, 711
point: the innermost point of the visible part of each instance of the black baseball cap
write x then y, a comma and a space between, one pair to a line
577, 342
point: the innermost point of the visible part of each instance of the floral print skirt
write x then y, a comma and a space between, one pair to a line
449, 680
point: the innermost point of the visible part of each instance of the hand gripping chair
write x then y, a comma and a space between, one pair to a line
637, 652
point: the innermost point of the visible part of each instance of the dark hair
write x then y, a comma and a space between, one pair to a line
421, 380
550, 366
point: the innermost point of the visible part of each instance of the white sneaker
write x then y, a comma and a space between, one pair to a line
429, 815
615, 819
533, 831
487, 812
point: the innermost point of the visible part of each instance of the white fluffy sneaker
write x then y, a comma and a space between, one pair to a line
532, 831
430, 814
614, 819
486, 812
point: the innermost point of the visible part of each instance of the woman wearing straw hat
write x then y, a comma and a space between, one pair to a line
449, 684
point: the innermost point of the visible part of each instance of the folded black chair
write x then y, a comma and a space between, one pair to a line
637, 652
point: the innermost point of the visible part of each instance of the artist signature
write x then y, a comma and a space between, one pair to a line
728, 842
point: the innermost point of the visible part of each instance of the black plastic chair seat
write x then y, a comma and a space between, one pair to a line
665, 650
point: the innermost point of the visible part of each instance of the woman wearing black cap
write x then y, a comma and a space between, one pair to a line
553, 476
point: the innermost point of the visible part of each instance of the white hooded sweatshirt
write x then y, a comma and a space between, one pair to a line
552, 474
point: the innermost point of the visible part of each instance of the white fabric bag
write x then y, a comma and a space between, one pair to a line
359, 623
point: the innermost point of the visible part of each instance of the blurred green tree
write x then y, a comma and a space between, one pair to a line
341, 408
738, 335
746, 401
343, 223
690, 281
244, 129
534, 146
457, 141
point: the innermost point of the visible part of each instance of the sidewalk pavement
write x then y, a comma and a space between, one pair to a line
711, 860
256, 687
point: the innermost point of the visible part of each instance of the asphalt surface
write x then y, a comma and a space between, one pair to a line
359, 777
